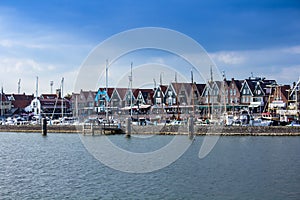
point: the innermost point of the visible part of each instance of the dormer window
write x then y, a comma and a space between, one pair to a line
258, 92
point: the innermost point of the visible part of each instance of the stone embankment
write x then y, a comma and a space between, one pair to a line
38, 128
219, 130
170, 130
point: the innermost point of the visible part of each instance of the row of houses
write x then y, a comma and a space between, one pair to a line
50, 105
254, 93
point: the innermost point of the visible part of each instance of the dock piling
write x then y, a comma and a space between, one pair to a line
44, 126
191, 127
128, 127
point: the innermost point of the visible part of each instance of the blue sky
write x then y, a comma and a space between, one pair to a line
51, 39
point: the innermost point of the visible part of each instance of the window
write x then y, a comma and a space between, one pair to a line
170, 101
258, 92
234, 91
158, 101
158, 94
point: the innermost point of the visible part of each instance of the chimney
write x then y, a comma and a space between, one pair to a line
58, 93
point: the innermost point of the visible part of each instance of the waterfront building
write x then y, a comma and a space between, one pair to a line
294, 96
5, 105
102, 100
20, 103
117, 97
255, 92
144, 96
159, 95
83, 103
233, 95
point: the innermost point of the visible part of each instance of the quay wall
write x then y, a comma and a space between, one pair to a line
220, 130
38, 128
168, 130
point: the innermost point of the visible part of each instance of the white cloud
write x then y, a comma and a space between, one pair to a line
231, 58
282, 64
292, 50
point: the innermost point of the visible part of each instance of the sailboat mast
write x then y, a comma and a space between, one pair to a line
19, 86
62, 97
193, 95
131, 89
177, 99
106, 87
1, 101
37, 87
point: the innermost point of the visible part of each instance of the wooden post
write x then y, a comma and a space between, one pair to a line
128, 127
92, 129
44, 126
191, 127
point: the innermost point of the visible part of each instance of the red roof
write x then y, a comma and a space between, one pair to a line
109, 91
21, 100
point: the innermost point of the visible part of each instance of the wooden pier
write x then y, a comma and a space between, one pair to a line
101, 129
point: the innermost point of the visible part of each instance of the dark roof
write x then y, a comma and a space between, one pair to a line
285, 90
122, 92
109, 91
87, 93
251, 84
5, 97
163, 88
145, 92
48, 96
239, 83
200, 87
21, 100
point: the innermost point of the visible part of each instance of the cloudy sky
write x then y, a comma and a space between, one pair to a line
51, 39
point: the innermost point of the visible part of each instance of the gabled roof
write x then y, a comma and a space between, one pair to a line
87, 93
162, 88
145, 92
207, 85
284, 90
258, 87
263, 83
250, 85
148, 93
121, 92
21, 100
200, 87
173, 87
219, 84
109, 91
295, 87
238, 83
5, 97
187, 87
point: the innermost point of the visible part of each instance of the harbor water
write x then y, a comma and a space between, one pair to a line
238, 167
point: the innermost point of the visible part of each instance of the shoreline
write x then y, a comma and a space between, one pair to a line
165, 130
